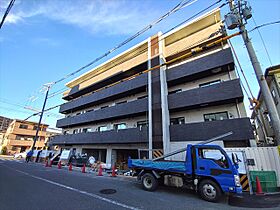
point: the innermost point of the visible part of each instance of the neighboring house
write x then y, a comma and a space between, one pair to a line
4, 124
20, 135
264, 131
187, 101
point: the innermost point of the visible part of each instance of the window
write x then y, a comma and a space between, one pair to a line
274, 96
90, 110
142, 124
177, 121
22, 126
141, 97
102, 128
210, 83
78, 113
103, 107
121, 102
35, 127
174, 91
85, 130
75, 131
216, 116
214, 154
120, 126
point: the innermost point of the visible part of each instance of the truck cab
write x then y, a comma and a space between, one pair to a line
207, 169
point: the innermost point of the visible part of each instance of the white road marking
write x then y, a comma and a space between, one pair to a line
76, 190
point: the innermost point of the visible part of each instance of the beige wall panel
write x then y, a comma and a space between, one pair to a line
195, 38
122, 67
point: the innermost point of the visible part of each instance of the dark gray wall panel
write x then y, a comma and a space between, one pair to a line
132, 135
202, 66
241, 128
133, 86
224, 92
133, 108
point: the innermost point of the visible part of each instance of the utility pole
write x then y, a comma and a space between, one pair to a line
48, 86
238, 17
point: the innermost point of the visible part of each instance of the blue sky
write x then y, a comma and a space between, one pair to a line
43, 40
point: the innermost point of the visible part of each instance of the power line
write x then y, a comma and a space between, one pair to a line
262, 41
238, 62
265, 24
7, 12
143, 50
175, 9
193, 16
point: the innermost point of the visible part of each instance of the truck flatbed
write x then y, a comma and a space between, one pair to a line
172, 166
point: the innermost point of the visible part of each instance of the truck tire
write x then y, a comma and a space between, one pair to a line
149, 182
209, 190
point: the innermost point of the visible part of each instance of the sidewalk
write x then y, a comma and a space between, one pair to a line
270, 200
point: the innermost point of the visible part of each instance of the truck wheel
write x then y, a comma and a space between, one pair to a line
209, 190
149, 182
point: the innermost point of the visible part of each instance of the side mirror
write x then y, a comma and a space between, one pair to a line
235, 159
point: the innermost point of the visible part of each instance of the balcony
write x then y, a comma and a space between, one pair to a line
26, 143
28, 132
120, 90
201, 67
125, 136
119, 111
218, 94
241, 128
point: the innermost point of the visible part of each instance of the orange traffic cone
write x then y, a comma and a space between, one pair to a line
258, 187
114, 171
47, 163
50, 163
70, 167
84, 168
100, 171
59, 165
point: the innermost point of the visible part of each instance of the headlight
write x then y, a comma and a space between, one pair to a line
237, 181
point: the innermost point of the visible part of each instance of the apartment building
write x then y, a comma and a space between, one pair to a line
20, 135
4, 124
189, 94
262, 121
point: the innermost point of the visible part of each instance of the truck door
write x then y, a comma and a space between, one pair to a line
213, 162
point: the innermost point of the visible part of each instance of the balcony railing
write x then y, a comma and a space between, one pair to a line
218, 94
241, 128
124, 136
133, 108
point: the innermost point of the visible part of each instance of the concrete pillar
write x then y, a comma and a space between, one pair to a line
164, 99
109, 155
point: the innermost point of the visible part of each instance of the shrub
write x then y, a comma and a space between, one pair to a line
4, 150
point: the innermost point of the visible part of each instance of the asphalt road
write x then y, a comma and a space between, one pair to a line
32, 186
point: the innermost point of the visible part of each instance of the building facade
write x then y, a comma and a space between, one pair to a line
4, 124
20, 135
169, 90
262, 121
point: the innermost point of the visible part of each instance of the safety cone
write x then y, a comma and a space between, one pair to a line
84, 168
59, 165
50, 163
70, 167
114, 171
100, 171
258, 187
47, 163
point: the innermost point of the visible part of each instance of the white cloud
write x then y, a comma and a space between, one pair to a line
98, 16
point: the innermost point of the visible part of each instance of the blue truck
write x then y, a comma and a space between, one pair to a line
207, 169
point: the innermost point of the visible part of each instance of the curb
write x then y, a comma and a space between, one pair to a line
255, 201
